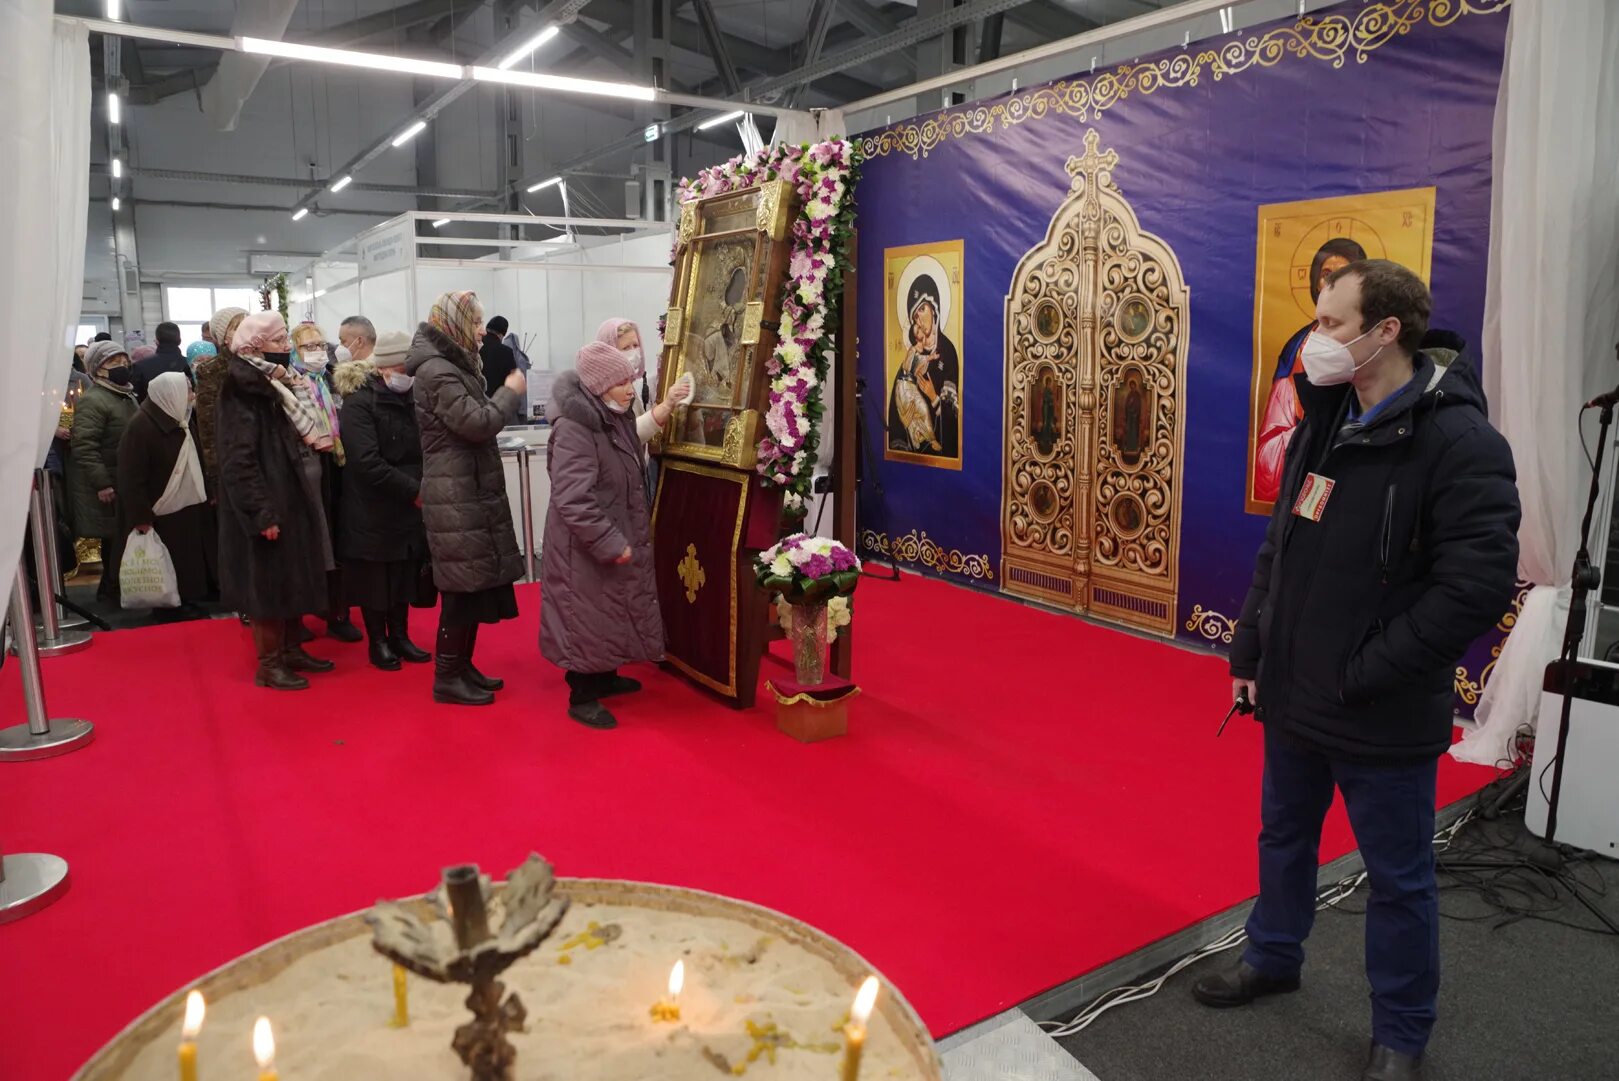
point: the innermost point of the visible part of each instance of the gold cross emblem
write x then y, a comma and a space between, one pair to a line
692, 575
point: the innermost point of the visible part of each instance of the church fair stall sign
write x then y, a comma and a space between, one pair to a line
1083, 301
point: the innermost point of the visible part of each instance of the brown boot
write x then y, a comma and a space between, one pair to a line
296, 658
269, 638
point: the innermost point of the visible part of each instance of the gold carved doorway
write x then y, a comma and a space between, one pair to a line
1096, 334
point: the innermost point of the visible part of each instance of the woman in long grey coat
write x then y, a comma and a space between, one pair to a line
463, 493
598, 598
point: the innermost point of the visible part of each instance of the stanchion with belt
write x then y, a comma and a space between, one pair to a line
45, 520
525, 500
54, 639
41, 737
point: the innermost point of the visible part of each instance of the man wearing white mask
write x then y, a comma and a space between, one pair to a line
358, 335
1393, 546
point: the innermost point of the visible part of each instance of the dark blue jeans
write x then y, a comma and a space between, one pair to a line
1391, 808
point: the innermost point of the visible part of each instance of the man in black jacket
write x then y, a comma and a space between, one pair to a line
498, 359
168, 358
1392, 548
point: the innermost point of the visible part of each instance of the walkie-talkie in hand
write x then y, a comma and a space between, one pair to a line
1241, 705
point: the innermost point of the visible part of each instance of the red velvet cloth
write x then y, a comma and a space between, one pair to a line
697, 534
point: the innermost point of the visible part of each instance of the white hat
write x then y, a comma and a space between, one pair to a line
391, 347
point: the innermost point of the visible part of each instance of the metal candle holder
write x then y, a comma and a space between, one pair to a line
475, 955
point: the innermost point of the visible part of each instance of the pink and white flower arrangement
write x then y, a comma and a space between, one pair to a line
824, 174
805, 569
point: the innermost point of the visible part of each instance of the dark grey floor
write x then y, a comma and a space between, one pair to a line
1528, 1000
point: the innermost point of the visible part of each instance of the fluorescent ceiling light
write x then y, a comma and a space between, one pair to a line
291, 50
115, 204
540, 81
441, 221
117, 168
341, 184
114, 9
555, 180
718, 120
115, 114
298, 215
529, 46
410, 133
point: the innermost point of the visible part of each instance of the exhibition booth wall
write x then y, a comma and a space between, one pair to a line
1121, 264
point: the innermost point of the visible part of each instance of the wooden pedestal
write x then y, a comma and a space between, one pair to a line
811, 714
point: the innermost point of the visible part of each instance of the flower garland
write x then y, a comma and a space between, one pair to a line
825, 175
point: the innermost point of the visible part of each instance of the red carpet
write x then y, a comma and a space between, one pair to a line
1022, 798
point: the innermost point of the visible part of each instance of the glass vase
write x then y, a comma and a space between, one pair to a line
808, 635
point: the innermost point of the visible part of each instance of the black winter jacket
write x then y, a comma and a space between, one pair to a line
1354, 624
168, 358
381, 522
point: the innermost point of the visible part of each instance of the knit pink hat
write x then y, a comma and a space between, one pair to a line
257, 331
603, 367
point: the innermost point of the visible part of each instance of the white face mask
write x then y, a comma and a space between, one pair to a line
343, 356
398, 382
616, 406
634, 353
314, 359
1329, 363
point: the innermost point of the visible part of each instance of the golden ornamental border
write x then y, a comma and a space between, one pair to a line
1211, 624
918, 547
1331, 39
1470, 690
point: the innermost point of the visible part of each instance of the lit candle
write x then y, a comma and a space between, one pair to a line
264, 1049
855, 1030
195, 1008
668, 1009
401, 999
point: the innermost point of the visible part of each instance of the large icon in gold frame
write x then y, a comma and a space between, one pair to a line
923, 294
1300, 245
724, 312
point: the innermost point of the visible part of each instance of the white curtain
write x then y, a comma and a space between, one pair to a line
1551, 314
44, 191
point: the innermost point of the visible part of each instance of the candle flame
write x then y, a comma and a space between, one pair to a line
677, 978
864, 1001
263, 1043
195, 1009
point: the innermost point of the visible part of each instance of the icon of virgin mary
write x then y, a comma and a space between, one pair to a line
924, 406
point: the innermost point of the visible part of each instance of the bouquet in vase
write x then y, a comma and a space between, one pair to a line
808, 570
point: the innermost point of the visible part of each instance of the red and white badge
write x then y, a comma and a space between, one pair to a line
1312, 501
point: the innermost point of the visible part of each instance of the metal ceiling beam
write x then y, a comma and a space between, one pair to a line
815, 28
604, 46
347, 35
718, 51
1051, 20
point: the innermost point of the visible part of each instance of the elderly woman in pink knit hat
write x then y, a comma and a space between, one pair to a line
599, 604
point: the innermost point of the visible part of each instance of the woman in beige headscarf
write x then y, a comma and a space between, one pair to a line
463, 493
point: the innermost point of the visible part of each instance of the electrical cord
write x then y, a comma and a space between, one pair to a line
1330, 897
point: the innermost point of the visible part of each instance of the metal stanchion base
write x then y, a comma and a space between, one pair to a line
17, 744
66, 621
31, 881
65, 642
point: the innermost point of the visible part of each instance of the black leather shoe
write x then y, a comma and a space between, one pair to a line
457, 690
343, 630
277, 677
478, 679
620, 685
297, 660
1239, 985
398, 623
382, 656
1385, 1064
593, 715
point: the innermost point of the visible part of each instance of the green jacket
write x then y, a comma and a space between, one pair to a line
98, 426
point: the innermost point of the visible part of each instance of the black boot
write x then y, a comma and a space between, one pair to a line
584, 700
399, 636
293, 654
1239, 985
1386, 1064
475, 677
380, 649
450, 682
614, 684
339, 626
268, 638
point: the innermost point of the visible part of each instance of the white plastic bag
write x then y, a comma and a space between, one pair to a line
146, 576
185, 487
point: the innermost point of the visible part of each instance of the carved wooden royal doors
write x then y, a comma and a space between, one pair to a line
1096, 333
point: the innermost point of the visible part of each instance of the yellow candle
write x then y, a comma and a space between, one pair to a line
264, 1049
668, 1009
401, 999
855, 1030
195, 1008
